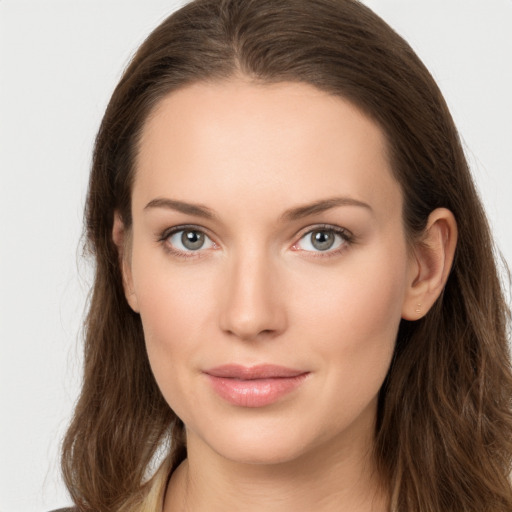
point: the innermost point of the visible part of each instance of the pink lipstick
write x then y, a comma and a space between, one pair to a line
254, 386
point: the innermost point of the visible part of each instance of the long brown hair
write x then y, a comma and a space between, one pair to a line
443, 433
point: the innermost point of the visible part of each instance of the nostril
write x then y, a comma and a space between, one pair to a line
252, 334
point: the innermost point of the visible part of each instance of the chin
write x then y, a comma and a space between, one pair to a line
260, 453
269, 443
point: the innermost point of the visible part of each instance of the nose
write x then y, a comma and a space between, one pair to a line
252, 305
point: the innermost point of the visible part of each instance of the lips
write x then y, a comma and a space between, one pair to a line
254, 386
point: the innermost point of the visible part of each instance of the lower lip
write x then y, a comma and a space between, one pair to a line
255, 392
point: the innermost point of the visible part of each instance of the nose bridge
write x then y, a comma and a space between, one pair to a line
252, 306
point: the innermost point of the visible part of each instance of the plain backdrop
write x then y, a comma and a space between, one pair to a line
59, 62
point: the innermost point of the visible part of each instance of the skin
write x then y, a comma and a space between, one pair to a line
259, 291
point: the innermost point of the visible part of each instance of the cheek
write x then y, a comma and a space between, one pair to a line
354, 321
173, 297
175, 308
174, 311
361, 300
172, 332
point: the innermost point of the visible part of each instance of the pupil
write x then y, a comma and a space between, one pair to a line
192, 240
322, 240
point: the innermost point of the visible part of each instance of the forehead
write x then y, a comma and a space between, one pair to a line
287, 140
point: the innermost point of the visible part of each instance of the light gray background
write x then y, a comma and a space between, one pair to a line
59, 61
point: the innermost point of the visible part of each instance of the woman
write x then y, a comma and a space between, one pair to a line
293, 308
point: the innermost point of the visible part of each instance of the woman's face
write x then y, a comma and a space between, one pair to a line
269, 265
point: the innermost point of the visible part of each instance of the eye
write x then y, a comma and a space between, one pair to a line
323, 239
186, 240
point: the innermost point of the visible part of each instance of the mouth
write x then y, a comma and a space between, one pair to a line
254, 386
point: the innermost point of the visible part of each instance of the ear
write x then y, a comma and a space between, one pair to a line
122, 239
430, 264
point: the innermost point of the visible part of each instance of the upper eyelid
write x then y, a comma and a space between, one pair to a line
347, 237
163, 239
324, 227
305, 230
166, 233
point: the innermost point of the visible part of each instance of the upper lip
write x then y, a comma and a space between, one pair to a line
260, 371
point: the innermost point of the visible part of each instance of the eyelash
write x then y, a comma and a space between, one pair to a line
164, 240
346, 236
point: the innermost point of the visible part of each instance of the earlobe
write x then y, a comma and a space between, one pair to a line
430, 264
122, 240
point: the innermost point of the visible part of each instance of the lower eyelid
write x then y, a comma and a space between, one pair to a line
345, 236
165, 236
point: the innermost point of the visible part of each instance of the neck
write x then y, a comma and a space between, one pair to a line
324, 480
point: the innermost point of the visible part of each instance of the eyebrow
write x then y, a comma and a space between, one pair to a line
197, 210
321, 206
296, 213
